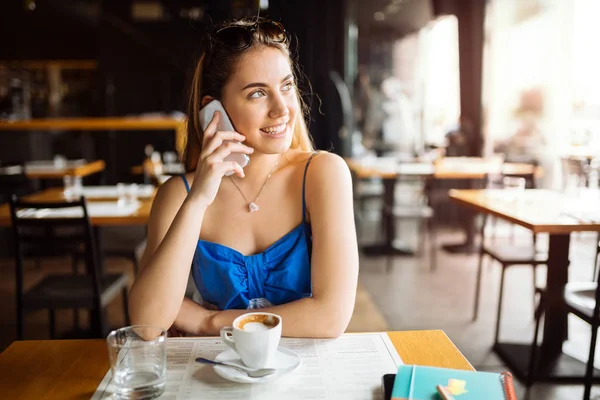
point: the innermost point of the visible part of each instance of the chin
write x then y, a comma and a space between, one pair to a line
274, 148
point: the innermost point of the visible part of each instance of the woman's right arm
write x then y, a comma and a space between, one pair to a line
174, 227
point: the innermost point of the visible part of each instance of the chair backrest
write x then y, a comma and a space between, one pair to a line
61, 227
494, 180
596, 314
13, 180
573, 168
529, 179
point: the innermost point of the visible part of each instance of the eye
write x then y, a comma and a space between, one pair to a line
287, 86
256, 94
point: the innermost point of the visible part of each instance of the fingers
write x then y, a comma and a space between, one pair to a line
226, 149
235, 167
211, 128
227, 167
222, 138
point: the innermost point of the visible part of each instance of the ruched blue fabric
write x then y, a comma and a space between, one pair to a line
227, 279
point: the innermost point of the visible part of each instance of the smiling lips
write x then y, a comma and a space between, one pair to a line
274, 130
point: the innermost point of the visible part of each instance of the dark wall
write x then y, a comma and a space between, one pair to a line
51, 31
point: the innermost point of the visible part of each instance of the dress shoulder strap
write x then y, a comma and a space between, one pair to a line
187, 185
304, 186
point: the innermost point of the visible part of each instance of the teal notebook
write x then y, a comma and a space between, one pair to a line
462, 385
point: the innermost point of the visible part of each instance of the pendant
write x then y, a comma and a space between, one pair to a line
252, 207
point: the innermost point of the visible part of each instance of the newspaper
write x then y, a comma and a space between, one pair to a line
349, 367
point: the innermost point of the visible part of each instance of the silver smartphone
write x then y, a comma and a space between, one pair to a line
206, 115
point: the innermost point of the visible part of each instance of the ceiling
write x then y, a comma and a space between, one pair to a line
392, 18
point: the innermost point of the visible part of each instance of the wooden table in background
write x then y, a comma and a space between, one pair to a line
140, 217
82, 170
168, 170
98, 124
541, 211
468, 168
110, 124
73, 369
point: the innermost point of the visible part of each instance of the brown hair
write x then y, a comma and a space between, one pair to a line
212, 71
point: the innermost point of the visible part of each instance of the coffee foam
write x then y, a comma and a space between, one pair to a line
257, 323
255, 327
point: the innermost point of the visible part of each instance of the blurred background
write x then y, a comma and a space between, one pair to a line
418, 96
515, 77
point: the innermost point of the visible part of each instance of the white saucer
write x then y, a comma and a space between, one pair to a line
285, 361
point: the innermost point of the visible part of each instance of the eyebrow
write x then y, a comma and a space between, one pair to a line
260, 84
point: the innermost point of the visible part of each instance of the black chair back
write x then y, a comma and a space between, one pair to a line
13, 181
37, 231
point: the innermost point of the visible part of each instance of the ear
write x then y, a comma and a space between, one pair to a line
206, 100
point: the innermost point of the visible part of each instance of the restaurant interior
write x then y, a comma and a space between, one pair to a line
471, 130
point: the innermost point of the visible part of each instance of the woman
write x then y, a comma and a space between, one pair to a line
276, 234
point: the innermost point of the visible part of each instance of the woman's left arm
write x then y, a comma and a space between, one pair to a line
334, 260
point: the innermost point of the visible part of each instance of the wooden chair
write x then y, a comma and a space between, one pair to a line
583, 300
365, 190
508, 255
113, 245
72, 232
421, 211
573, 172
596, 258
13, 180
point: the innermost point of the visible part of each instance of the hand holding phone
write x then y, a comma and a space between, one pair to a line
214, 160
206, 115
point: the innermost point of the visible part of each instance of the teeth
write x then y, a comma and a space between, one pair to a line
274, 129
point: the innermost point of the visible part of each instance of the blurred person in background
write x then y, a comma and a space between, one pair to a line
457, 137
399, 133
373, 119
362, 96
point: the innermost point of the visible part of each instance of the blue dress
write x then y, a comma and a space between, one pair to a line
227, 279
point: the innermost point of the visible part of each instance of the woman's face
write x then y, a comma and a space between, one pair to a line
261, 100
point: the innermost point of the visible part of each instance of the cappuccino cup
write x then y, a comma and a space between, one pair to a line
255, 337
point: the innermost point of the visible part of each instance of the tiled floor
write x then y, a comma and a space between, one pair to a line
412, 297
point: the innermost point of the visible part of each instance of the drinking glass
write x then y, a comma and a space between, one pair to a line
77, 186
68, 191
169, 157
138, 361
127, 194
121, 194
513, 187
131, 194
496, 161
59, 161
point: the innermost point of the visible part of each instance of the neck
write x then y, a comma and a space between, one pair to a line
259, 167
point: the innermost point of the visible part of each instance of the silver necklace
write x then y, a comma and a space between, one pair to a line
252, 206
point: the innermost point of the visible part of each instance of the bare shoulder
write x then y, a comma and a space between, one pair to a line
332, 163
327, 177
171, 194
326, 167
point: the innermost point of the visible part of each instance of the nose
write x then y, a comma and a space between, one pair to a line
279, 107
